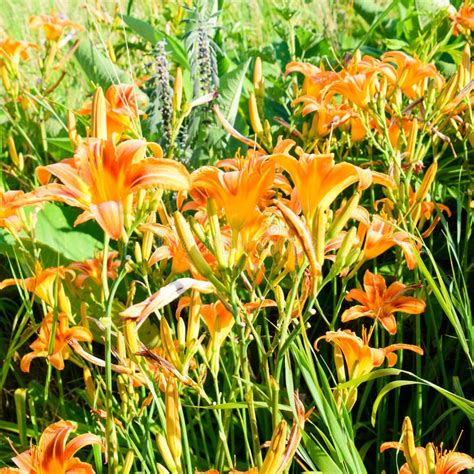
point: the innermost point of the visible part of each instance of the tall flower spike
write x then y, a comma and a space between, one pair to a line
379, 302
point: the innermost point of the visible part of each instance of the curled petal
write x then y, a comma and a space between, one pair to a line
164, 296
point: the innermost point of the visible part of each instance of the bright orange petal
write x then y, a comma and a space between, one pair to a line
109, 215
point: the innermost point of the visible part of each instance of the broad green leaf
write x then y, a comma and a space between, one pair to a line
150, 34
141, 27
230, 91
97, 67
55, 230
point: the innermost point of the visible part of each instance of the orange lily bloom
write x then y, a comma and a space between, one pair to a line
122, 108
316, 78
318, 180
379, 302
238, 192
53, 25
426, 460
411, 74
53, 455
361, 359
92, 269
61, 348
10, 203
381, 235
359, 89
12, 51
218, 319
102, 175
463, 20
43, 285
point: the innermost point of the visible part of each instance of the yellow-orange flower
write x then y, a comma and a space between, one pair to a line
430, 459
463, 20
44, 284
361, 359
12, 51
102, 175
411, 74
10, 203
379, 235
53, 454
63, 334
359, 89
122, 108
238, 192
318, 180
53, 25
92, 269
379, 302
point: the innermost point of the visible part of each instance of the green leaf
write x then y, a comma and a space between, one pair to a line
143, 28
230, 91
64, 143
54, 229
97, 67
150, 34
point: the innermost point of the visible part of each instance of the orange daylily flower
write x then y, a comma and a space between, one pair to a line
53, 455
219, 320
318, 181
12, 51
411, 74
427, 460
53, 25
379, 235
354, 358
238, 192
379, 302
62, 336
122, 108
359, 89
101, 175
361, 359
316, 78
10, 204
463, 20
92, 269
43, 285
